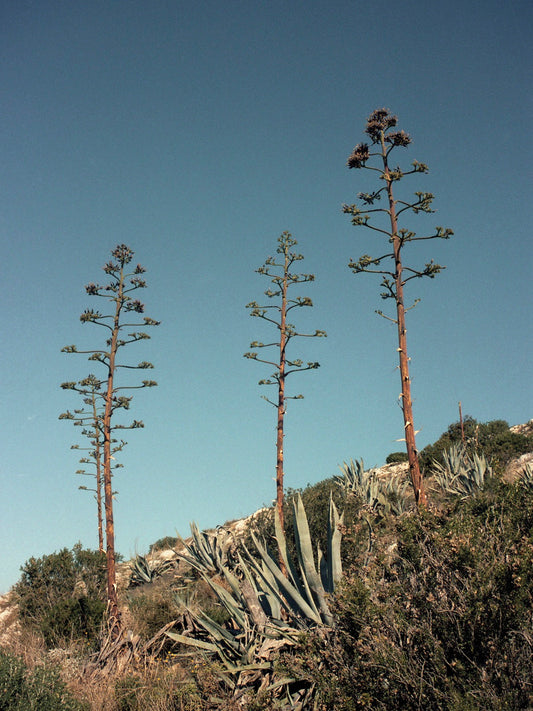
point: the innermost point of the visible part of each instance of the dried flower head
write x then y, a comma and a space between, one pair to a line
90, 315
134, 305
398, 138
138, 283
378, 121
91, 381
359, 156
123, 253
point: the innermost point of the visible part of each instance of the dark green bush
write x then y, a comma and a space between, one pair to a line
396, 458
494, 439
163, 544
73, 619
38, 690
127, 692
443, 625
63, 595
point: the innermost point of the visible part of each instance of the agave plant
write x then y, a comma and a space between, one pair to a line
302, 592
144, 570
380, 496
205, 552
267, 610
242, 645
354, 478
526, 476
396, 490
462, 475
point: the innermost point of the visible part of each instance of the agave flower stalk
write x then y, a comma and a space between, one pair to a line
118, 292
379, 128
280, 274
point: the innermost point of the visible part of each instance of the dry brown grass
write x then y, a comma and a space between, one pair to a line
135, 682
144, 685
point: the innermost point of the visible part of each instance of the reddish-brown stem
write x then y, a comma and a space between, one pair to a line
280, 275
112, 598
281, 404
462, 424
407, 405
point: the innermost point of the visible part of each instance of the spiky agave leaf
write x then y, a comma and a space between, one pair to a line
304, 548
526, 476
382, 496
352, 476
333, 570
460, 474
268, 610
290, 567
261, 594
204, 552
396, 492
237, 646
300, 605
302, 595
481, 470
144, 570
363, 483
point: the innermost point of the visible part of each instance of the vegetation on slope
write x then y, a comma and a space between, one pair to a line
434, 610
442, 623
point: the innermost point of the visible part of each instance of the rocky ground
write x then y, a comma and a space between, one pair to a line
9, 624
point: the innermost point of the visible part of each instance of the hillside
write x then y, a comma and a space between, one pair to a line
405, 610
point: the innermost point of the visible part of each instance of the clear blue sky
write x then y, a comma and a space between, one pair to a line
196, 132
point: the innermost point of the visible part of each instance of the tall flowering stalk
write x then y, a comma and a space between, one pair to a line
278, 270
379, 128
122, 282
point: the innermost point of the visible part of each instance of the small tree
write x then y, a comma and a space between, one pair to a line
63, 595
121, 284
395, 277
280, 275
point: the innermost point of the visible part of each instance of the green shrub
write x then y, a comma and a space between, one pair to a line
445, 624
62, 595
38, 690
163, 544
396, 458
494, 439
127, 693
73, 619
152, 608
